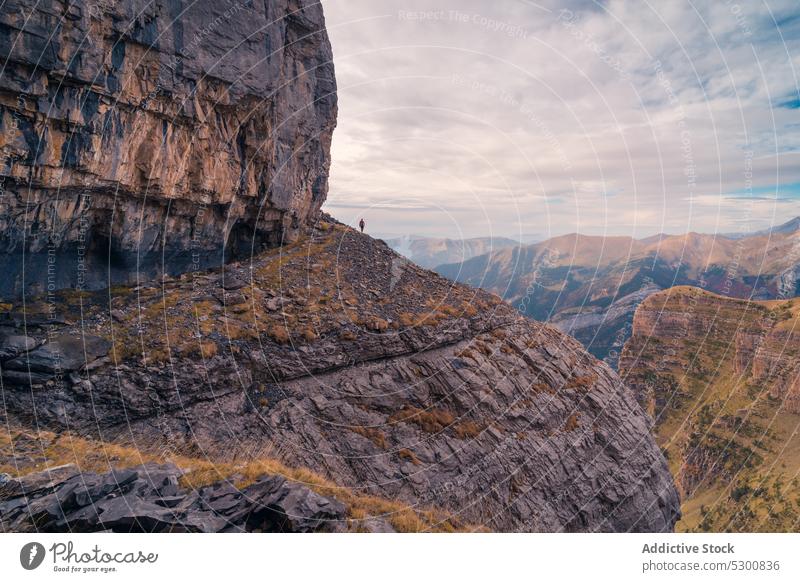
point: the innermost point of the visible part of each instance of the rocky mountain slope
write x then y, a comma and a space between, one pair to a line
431, 252
141, 137
590, 286
389, 380
720, 377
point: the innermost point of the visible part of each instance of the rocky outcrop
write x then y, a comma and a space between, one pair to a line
775, 362
146, 137
338, 355
149, 498
29, 362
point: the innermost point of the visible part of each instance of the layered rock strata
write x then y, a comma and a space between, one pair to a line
145, 137
760, 339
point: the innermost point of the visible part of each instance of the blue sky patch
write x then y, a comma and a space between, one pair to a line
773, 192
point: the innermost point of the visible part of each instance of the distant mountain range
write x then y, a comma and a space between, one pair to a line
590, 286
430, 252
787, 227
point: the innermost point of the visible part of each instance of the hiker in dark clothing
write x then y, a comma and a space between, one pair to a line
362, 224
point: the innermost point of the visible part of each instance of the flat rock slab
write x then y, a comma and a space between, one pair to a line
23, 343
64, 354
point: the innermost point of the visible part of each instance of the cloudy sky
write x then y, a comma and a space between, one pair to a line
468, 118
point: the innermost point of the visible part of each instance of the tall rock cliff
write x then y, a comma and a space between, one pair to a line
142, 137
721, 378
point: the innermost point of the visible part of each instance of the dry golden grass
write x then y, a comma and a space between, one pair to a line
160, 308
572, 422
206, 350
448, 310
498, 334
469, 310
407, 319
236, 330
541, 387
408, 455
120, 290
582, 383
124, 347
371, 433
308, 334
377, 324
467, 429
465, 353
434, 315
485, 349
432, 420
278, 334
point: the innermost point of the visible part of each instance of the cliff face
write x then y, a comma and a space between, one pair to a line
760, 339
139, 137
336, 354
720, 378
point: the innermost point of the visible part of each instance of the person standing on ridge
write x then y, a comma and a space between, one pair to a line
362, 224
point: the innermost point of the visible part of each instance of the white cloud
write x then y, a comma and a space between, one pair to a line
518, 115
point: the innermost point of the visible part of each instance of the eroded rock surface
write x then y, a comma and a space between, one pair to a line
146, 137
